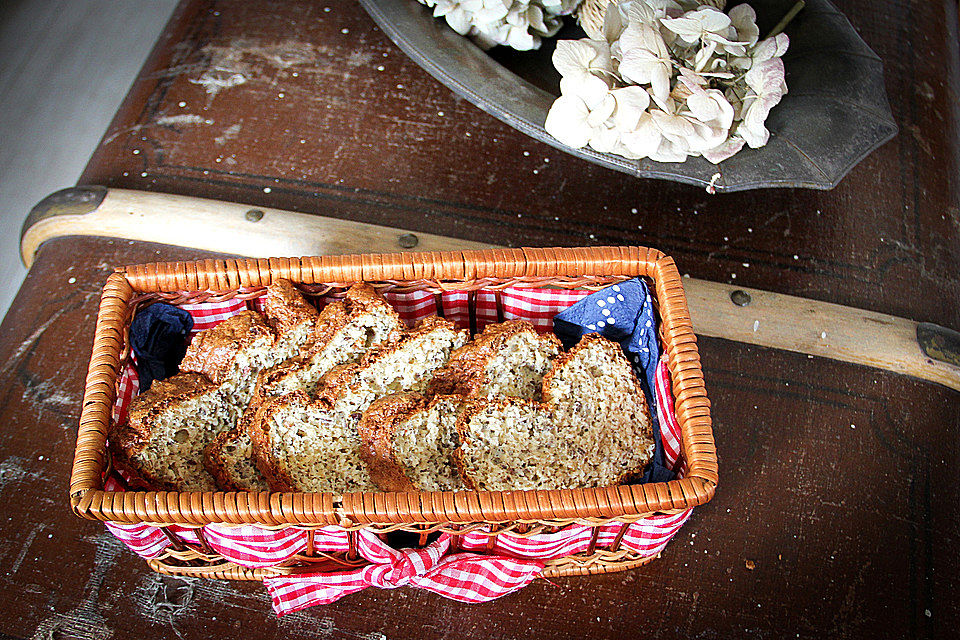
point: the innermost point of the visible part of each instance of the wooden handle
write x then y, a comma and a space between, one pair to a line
745, 315
213, 225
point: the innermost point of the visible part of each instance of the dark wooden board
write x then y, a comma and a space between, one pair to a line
838, 482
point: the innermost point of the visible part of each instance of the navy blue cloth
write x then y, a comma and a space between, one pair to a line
158, 335
623, 313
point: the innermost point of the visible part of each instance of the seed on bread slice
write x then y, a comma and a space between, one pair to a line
344, 331
592, 429
301, 445
330, 424
166, 430
506, 359
408, 440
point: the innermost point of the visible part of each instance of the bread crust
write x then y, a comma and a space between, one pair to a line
377, 427
466, 372
276, 478
286, 308
212, 352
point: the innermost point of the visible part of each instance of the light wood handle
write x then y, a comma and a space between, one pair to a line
767, 319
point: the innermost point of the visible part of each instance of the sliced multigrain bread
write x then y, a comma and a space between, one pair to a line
166, 430
506, 359
408, 441
295, 439
344, 331
594, 386
301, 445
592, 429
406, 365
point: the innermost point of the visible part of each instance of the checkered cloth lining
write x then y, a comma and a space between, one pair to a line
514, 560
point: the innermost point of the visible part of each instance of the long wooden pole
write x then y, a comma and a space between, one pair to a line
718, 310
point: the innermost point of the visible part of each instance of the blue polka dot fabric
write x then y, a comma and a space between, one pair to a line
623, 313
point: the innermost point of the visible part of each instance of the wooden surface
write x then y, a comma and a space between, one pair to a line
839, 482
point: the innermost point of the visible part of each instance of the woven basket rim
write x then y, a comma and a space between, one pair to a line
441, 269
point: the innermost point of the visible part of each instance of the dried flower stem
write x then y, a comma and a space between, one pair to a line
794, 10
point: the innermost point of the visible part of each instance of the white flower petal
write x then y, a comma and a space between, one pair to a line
631, 102
588, 87
723, 151
567, 122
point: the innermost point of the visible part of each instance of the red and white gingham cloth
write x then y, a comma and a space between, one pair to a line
515, 559
467, 577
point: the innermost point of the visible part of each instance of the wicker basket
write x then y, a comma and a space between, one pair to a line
493, 513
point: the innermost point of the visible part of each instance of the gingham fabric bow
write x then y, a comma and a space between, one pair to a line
467, 577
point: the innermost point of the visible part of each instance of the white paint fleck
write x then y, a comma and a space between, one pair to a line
267, 189
344, 31
71, 280
756, 325
229, 133
182, 119
136, 152
143, 174
181, 104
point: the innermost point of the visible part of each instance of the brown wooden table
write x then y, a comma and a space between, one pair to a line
837, 513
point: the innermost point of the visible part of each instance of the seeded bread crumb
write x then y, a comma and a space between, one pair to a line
408, 441
592, 429
506, 359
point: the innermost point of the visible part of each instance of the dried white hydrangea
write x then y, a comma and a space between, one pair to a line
514, 23
668, 81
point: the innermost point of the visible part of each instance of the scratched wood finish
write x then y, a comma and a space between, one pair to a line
327, 116
838, 489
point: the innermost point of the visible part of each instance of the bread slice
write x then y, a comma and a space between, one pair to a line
592, 429
166, 430
231, 355
291, 316
407, 365
408, 441
300, 445
344, 331
229, 459
315, 446
506, 359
